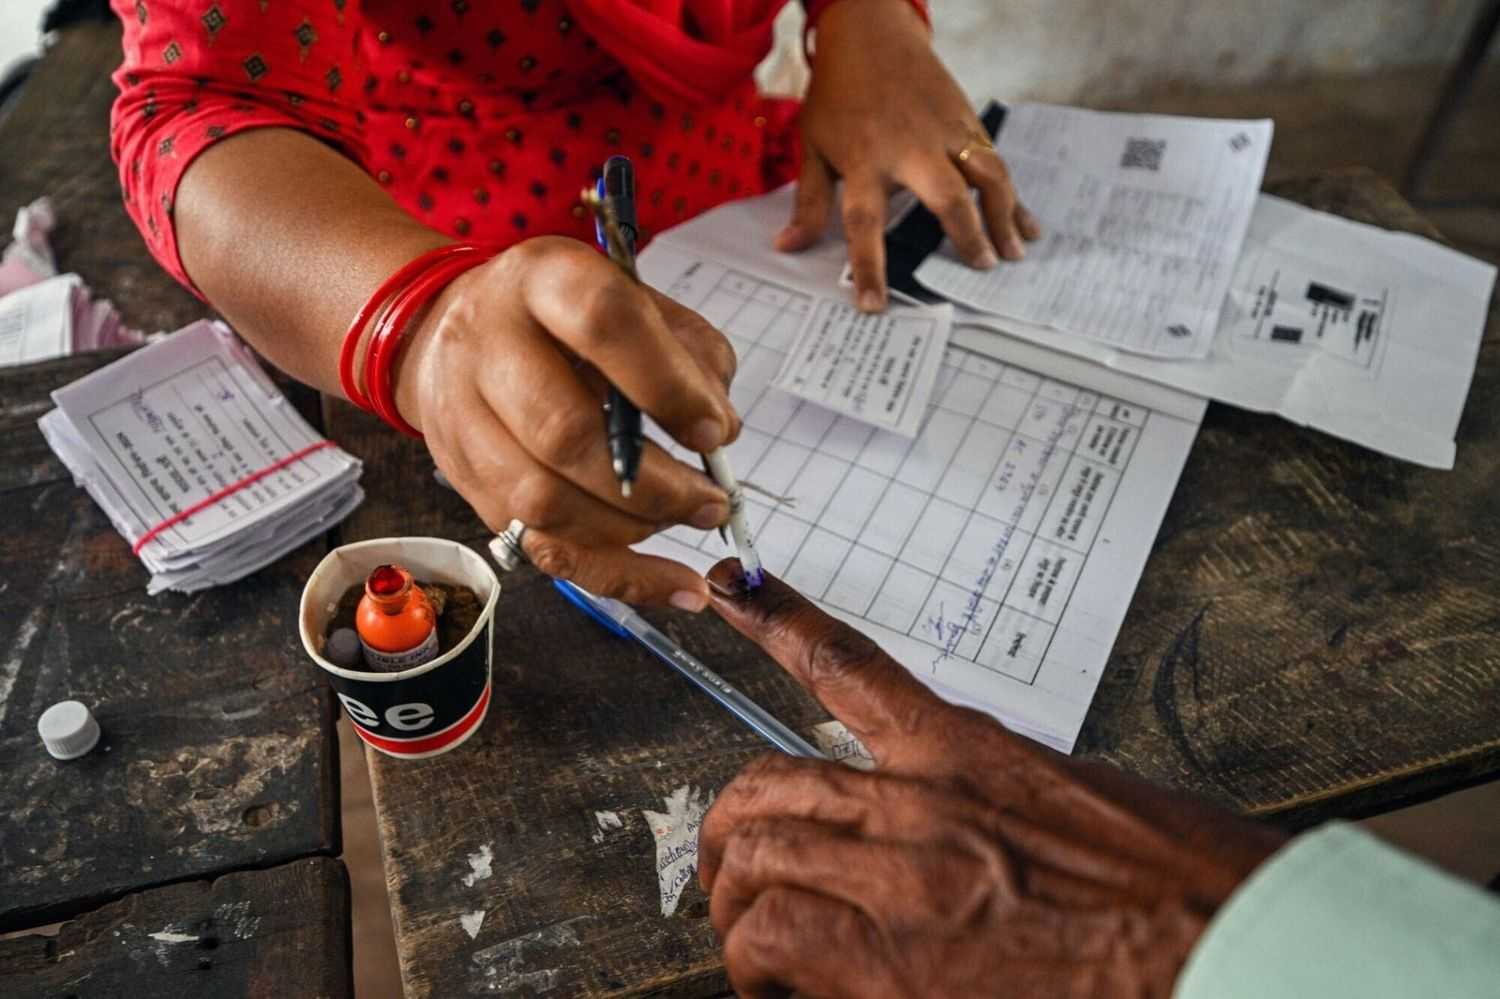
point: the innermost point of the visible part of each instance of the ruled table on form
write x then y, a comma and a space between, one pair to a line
977, 553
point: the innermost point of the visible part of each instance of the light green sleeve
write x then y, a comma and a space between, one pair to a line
1339, 913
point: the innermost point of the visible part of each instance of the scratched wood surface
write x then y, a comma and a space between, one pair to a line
1317, 633
277, 933
1314, 636
218, 750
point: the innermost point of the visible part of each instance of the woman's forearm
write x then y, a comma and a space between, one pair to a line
287, 239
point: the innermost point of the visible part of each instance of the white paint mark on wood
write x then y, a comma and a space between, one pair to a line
239, 772
471, 921
10, 668
508, 982
838, 743
676, 834
480, 866
238, 918
509, 966
242, 713
608, 820
163, 941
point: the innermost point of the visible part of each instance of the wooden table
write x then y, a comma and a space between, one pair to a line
219, 752
1317, 634
1314, 636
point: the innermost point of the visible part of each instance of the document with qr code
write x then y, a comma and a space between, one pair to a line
1143, 218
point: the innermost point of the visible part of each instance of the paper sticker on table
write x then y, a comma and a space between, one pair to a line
836, 742
994, 555
878, 368
676, 835
1142, 217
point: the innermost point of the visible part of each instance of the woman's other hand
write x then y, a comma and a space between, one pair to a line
505, 377
882, 112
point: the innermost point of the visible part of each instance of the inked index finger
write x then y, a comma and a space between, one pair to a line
891, 712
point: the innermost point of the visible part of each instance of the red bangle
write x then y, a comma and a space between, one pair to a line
385, 346
348, 379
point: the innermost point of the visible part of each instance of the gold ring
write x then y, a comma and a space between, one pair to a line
980, 142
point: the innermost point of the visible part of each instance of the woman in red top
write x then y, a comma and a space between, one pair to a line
283, 158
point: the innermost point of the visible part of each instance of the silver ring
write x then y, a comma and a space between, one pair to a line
506, 547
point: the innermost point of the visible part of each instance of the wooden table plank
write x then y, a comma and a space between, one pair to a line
219, 750
275, 933
1314, 635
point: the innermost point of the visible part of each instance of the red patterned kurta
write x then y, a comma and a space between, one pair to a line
482, 119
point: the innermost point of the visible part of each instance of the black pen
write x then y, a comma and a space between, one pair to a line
622, 421
613, 235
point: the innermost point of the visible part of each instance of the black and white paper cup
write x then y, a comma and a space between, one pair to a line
428, 709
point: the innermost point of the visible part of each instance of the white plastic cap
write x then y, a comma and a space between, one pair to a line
68, 730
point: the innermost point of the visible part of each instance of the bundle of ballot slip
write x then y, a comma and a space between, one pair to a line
201, 464
44, 314
56, 317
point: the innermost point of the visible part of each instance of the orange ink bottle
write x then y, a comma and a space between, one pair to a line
396, 622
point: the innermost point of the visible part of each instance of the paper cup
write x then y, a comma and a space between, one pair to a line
428, 709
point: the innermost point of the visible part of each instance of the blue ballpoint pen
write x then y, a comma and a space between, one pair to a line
622, 421
623, 620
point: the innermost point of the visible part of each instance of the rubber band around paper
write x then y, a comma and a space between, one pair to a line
228, 490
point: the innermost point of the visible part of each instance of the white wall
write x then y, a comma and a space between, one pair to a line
1067, 50
1096, 50
20, 24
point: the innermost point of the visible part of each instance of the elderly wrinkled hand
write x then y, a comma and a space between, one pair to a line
972, 862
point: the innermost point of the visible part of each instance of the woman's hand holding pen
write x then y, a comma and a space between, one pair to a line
505, 377
883, 113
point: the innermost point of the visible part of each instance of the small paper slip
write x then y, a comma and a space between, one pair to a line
1356, 331
159, 432
44, 314
880, 369
1142, 216
36, 323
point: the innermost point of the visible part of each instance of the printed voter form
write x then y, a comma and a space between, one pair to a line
995, 553
1143, 217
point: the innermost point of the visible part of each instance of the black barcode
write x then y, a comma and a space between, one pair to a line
1143, 154
1286, 334
1321, 294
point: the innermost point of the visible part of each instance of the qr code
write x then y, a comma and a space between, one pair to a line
1143, 154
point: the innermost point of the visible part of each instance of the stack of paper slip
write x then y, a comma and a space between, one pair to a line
189, 419
56, 317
